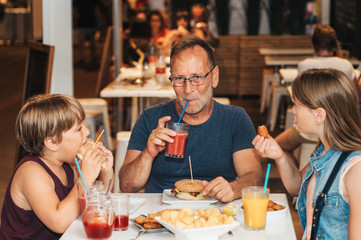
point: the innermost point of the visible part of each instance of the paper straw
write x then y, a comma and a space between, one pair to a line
81, 175
184, 109
99, 137
266, 179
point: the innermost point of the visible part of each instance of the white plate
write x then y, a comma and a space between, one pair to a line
272, 215
170, 198
209, 233
135, 203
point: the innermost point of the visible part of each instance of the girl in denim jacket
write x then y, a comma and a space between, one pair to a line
325, 104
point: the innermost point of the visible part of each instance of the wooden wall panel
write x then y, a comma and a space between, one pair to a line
241, 65
226, 55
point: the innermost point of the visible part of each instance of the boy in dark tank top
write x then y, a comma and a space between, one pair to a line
41, 200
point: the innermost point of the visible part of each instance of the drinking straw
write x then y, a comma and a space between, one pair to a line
184, 109
98, 137
266, 179
81, 175
108, 186
190, 166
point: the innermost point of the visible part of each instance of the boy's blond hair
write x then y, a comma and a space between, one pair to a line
45, 116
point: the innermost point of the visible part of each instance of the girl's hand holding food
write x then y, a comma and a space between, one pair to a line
267, 147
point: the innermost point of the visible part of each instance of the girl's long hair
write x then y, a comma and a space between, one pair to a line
331, 90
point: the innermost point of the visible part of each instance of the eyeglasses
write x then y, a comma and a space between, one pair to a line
194, 80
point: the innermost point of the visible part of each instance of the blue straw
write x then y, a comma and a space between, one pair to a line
266, 179
184, 109
81, 175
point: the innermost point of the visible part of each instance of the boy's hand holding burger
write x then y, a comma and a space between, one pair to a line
95, 157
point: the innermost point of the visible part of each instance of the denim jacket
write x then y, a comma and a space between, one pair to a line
334, 218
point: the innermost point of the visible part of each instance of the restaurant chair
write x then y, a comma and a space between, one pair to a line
96, 115
223, 100
120, 151
277, 93
269, 77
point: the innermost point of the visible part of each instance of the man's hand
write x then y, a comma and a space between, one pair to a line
159, 136
219, 188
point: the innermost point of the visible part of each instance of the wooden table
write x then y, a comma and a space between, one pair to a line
286, 51
114, 90
284, 61
275, 230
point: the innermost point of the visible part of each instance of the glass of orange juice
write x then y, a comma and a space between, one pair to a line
255, 207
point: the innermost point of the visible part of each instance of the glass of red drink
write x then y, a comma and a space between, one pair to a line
177, 148
120, 205
98, 219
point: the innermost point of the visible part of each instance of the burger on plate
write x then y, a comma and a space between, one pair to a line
188, 189
89, 144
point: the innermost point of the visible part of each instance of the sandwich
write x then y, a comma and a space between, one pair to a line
89, 144
188, 189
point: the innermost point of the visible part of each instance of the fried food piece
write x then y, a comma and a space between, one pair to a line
262, 131
159, 213
152, 225
152, 215
271, 204
278, 207
141, 220
188, 219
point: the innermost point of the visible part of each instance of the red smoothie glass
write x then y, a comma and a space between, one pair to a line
120, 206
177, 148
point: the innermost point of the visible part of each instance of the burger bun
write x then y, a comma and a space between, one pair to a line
89, 144
188, 189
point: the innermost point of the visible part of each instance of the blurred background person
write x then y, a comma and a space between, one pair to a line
200, 26
157, 27
138, 16
183, 29
137, 43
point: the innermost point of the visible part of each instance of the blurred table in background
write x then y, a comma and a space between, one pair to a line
138, 92
285, 51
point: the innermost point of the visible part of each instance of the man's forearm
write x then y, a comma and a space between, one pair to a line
250, 179
134, 175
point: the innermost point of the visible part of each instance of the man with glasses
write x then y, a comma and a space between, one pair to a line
220, 136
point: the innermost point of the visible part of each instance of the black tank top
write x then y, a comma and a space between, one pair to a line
17, 223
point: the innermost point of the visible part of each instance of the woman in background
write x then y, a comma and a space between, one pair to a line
157, 27
183, 29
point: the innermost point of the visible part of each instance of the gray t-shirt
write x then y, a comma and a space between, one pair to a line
210, 145
340, 64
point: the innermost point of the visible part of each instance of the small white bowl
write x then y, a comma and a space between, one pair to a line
209, 233
277, 215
